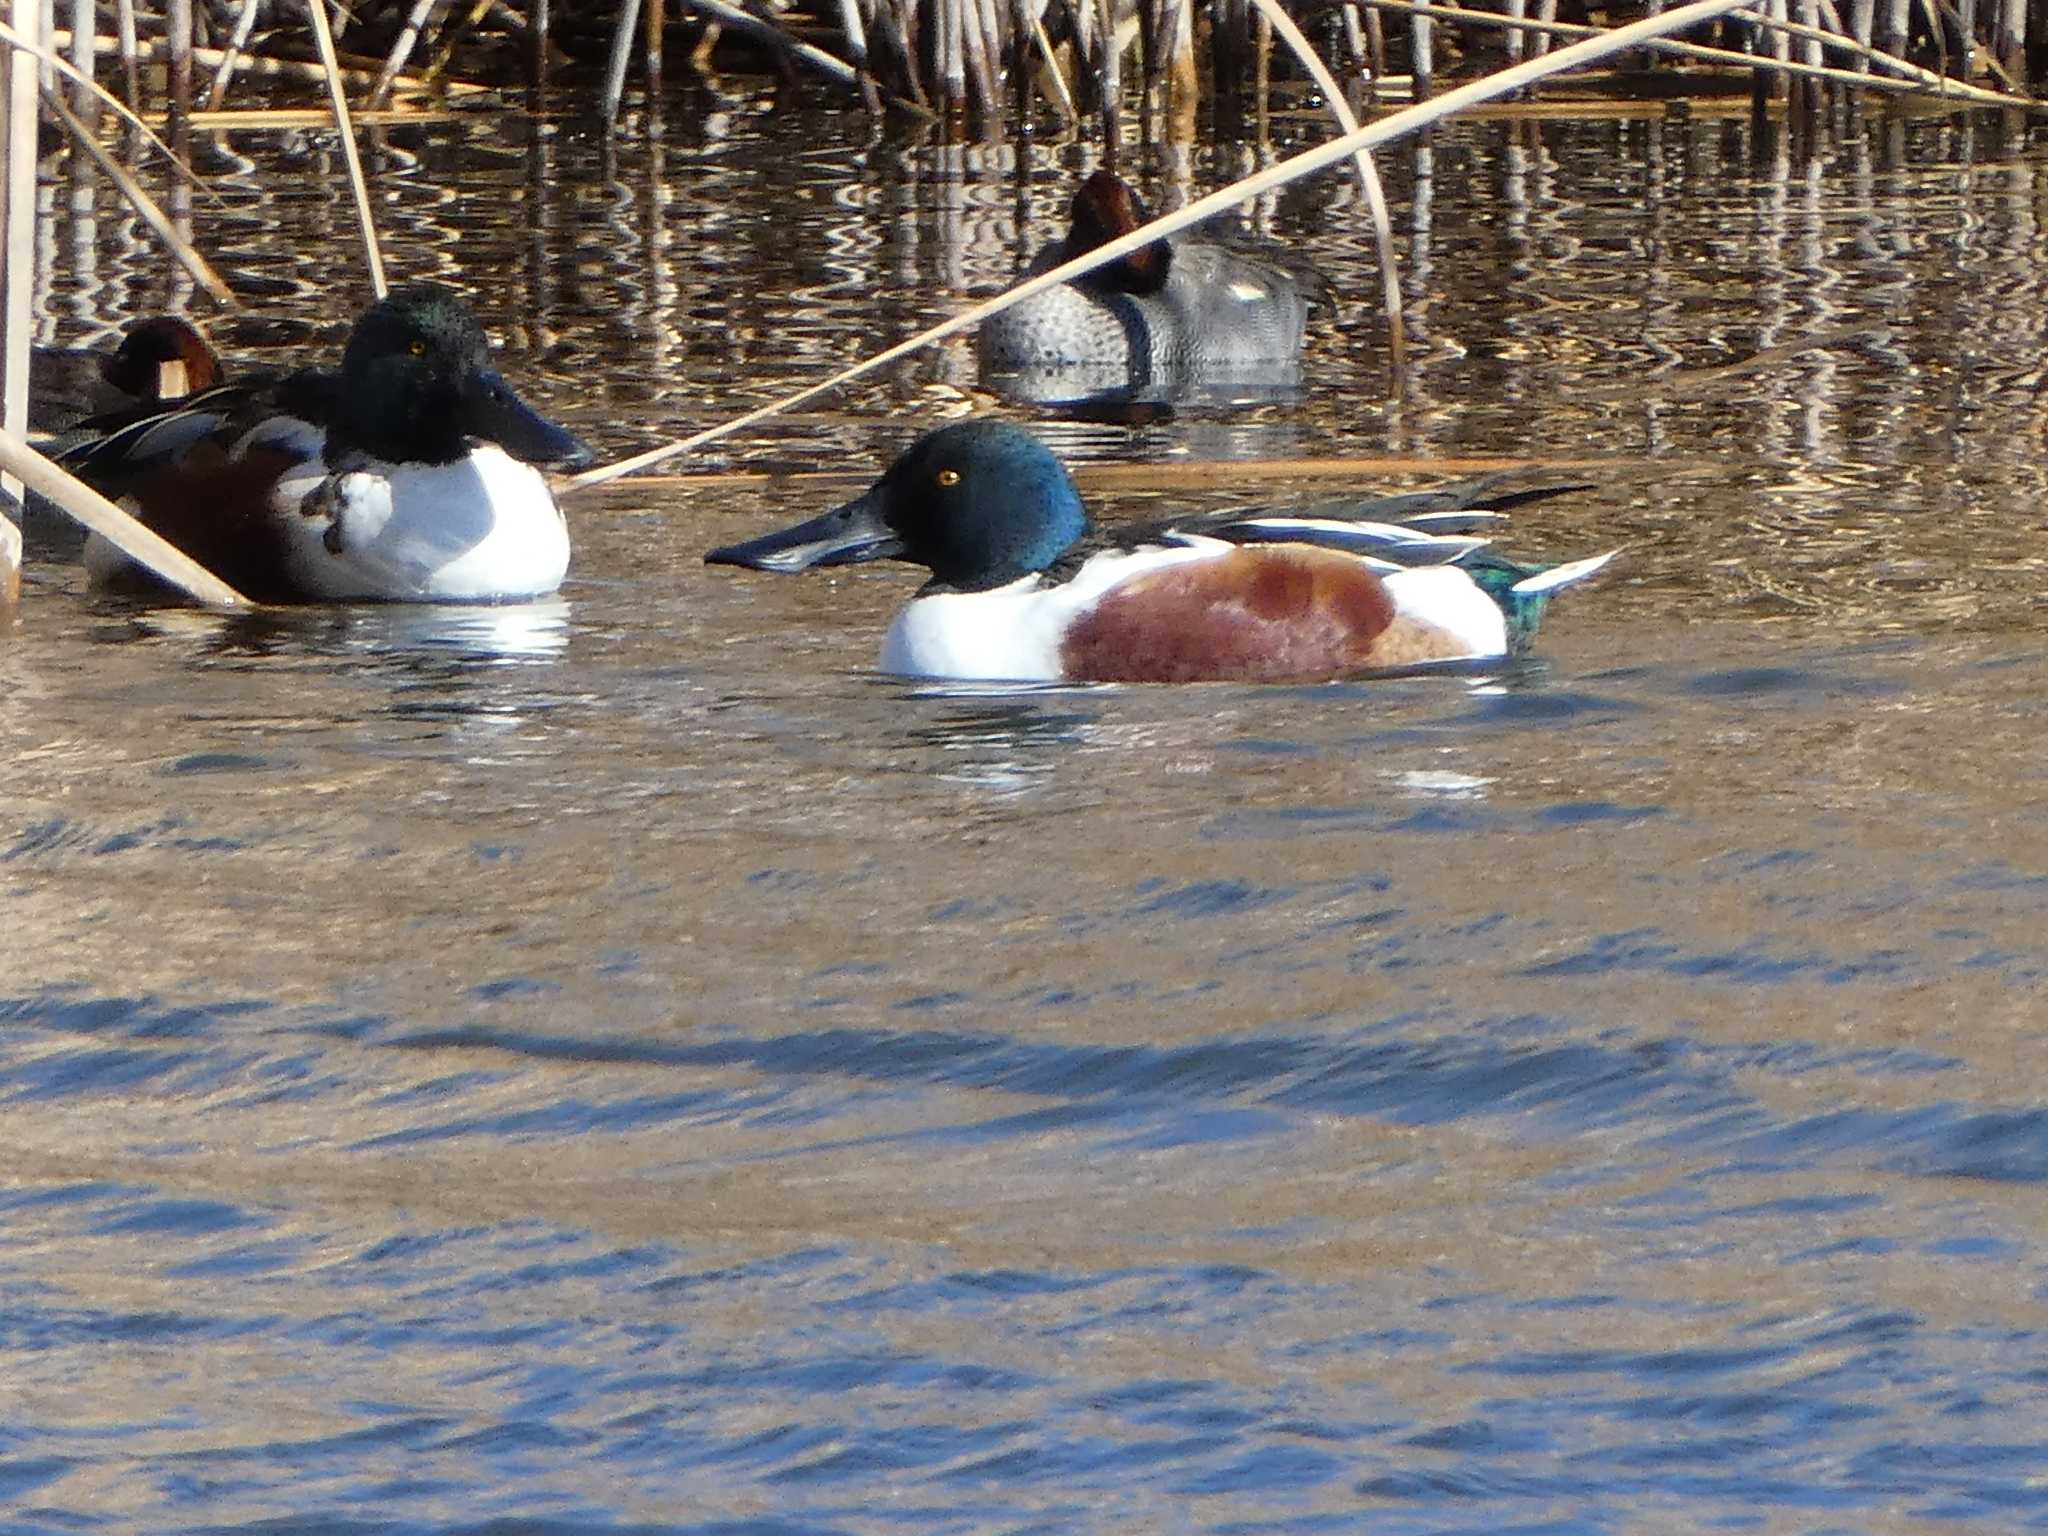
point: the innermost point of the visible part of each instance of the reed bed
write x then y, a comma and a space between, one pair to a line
989, 68
1084, 56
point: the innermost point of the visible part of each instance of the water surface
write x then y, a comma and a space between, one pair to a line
621, 1064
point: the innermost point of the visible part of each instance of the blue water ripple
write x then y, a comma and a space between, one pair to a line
184, 1218
1268, 1470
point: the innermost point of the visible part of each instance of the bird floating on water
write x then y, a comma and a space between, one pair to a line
405, 476
1025, 589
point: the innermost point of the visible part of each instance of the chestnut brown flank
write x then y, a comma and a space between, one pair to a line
217, 510
1253, 615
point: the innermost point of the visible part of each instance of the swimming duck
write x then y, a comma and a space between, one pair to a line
404, 477
1023, 589
161, 359
1175, 310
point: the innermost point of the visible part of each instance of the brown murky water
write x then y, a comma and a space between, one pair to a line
620, 1064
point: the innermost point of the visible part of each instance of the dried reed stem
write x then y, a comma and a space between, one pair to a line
224, 71
1062, 98
1862, 13
314, 117
401, 50
775, 37
1307, 162
854, 30
1171, 474
983, 43
1895, 15
1176, 34
2010, 40
654, 19
83, 23
19, 75
1262, 76
317, 11
1109, 69
302, 69
131, 68
950, 83
615, 66
1421, 54
178, 34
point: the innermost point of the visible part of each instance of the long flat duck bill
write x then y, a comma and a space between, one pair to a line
493, 411
846, 535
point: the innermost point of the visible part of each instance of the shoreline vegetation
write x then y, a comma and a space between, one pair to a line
965, 69
984, 69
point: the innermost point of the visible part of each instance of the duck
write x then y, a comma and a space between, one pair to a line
1025, 589
1177, 311
410, 474
160, 360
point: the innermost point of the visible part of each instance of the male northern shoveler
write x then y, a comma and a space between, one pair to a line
404, 477
1181, 309
1023, 589
161, 359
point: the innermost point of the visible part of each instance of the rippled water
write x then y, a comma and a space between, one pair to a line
620, 1064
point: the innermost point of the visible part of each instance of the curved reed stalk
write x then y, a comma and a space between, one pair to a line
1368, 180
401, 51
231, 56
1501, 83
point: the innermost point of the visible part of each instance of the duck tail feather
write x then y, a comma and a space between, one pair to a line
1552, 578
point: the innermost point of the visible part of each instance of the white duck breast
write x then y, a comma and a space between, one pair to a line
1013, 634
483, 528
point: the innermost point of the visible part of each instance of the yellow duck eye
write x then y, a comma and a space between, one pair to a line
949, 478
416, 347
